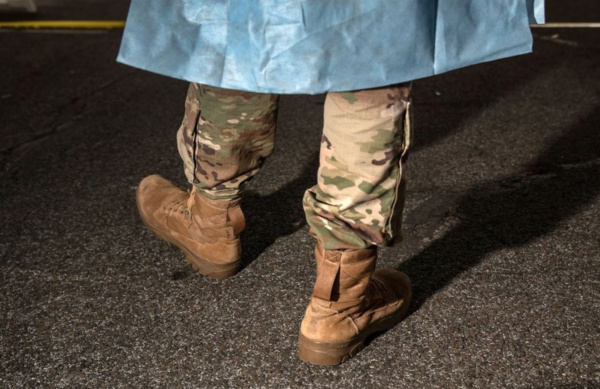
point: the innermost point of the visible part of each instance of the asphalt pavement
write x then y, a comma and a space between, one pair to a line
502, 228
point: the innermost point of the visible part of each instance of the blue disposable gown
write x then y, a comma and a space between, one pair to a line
313, 46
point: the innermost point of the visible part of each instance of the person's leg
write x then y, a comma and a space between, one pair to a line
224, 139
359, 197
356, 206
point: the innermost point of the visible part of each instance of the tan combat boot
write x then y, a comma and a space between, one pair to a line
206, 230
350, 302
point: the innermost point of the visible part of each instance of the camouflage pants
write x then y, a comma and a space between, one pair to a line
358, 200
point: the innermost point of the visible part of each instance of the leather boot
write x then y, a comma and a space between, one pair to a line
207, 231
350, 302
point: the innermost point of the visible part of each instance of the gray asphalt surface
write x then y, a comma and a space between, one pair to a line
502, 228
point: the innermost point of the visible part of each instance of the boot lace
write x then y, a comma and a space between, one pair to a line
182, 205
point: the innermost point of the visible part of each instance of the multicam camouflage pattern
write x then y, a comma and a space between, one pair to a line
225, 137
358, 201
359, 197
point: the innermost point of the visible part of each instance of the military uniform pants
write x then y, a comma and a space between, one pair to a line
227, 135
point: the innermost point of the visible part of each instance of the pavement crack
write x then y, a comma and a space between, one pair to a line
62, 108
74, 110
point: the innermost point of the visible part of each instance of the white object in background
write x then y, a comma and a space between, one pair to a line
29, 5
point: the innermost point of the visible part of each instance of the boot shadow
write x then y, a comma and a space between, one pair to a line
277, 214
512, 212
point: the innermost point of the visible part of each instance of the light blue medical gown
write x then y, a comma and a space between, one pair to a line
313, 46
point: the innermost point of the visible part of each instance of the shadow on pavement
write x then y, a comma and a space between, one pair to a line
513, 211
277, 214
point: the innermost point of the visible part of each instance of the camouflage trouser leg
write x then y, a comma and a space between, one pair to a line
359, 197
225, 137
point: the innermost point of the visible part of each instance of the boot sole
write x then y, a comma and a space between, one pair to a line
204, 266
336, 353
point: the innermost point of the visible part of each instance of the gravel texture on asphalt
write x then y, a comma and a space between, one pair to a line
502, 232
